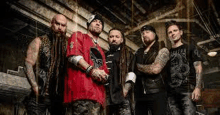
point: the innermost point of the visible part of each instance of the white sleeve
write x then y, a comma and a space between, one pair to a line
130, 77
74, 59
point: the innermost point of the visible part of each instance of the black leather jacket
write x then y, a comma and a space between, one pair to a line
145, 83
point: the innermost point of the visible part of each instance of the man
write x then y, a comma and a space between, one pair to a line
151, 59
185, 81
87, 70
120, 81
45, 64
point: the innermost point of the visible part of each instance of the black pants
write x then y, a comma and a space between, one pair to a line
156, 104
119, 109
181, 104
42, 105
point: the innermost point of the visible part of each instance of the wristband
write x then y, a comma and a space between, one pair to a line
88, 70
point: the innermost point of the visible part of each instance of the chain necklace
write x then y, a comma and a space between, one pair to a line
94, 41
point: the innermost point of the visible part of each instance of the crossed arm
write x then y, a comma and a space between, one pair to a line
30, 61
159, 63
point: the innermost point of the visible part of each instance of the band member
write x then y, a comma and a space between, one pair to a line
87, 70
150, 60
185, 79
121, 80
45, 69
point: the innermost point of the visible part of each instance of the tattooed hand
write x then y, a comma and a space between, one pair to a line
98, 75
196, 94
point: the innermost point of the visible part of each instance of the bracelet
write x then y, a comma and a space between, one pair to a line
89, 69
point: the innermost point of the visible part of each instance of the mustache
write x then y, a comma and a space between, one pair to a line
146, 37
113, 41
95, 28
59, 33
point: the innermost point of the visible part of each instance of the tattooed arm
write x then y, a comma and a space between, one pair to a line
30, 61
198, 68
159, 63
197, 91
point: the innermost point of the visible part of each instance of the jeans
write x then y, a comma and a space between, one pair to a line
181, 104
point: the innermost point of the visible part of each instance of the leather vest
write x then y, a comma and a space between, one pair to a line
43, 63
146, 83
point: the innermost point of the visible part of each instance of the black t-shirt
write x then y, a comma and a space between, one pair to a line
182, 72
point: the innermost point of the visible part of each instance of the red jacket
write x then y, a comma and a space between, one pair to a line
79, 85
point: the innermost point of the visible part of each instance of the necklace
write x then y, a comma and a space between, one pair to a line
95, 41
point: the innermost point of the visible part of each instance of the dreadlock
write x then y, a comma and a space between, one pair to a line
57, 59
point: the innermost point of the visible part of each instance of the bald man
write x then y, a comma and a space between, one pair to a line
45, 65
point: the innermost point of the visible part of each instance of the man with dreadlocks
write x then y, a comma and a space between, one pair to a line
87, 70
45, 64
120, 80
150, 61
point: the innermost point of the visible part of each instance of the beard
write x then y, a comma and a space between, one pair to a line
57, 33
114, 47
148, 41
95, 31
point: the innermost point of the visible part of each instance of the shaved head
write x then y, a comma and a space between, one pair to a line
59, 17
59, 24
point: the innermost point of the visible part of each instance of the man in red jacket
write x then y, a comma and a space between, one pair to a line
87, 70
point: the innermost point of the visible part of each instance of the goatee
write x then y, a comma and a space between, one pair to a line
59, 34
148, 43
95, 33
114, 47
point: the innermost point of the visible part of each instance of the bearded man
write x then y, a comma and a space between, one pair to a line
87, 70
45, 65
150, 61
